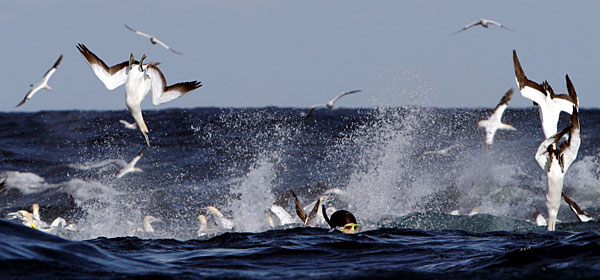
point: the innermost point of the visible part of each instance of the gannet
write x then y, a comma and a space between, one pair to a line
330, 103
148, 220
153, 39
24, 217
36, 216
220, 219
484, 23
130, 167
128, 125
555, 157
138, 78
550, 104
494, 122
581, 215
306, 219
42, 84
442, 152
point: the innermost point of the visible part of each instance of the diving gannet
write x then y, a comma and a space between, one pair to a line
550, 104
128, 125
130, 167
153, 39
138, 78
306, 219
42, 84
484, 23
330, 103
494, 122
555, 157
581, 215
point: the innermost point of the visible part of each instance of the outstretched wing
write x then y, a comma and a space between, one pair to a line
312, 109
166, 47
529, 89
162, 93
343, 94
499, 25
29, 94
112, 77
299, 210
138, 157
468, 26
51, 70
138, 32
501, 107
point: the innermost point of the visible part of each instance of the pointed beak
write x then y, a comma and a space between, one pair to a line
130, 61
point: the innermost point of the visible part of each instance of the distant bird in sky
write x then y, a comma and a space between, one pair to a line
153, 39
494, 122
42, 84
484, 23
130, 167
542, 95
128, 125
330, 103
138, 78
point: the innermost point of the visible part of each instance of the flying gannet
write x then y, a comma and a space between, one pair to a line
130, 167
484, 23
555, 155
330, 103
138, 78
153, 39
542, 95
581, 215
43, 84
494, 122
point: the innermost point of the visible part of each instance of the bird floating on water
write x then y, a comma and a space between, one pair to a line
138, 78
329, 104
542, 95
153, 39
43, 84
494, 122
484, 23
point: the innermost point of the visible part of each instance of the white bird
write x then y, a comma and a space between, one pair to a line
130, 167
494, 122
153, 39
138, 78
542, 95
555, 157
202, 228
330, 103
484, 23
24, 217
42, 84
444, 151
581, 215
220, 219
128, 125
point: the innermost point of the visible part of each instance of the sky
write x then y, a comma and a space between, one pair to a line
254, 53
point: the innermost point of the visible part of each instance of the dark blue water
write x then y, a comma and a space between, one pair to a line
243, 161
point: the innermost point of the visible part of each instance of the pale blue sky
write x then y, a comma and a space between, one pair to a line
297, 53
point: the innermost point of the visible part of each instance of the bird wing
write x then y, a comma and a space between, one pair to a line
343, 94
138, 32
314, 211
501, 107
51, 71
162, 93
312, 109
574, 207
529, 89
570, 152
299, 210
137, 157
165, 45
29, 94
111, 77
565, 102
468, 26
499, 24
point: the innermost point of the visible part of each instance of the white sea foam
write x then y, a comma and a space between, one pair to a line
25, 182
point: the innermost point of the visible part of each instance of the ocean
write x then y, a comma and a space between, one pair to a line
243, 161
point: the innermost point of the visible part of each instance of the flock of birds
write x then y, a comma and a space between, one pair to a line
554, 155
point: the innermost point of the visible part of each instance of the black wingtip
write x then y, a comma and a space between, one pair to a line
519, 74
